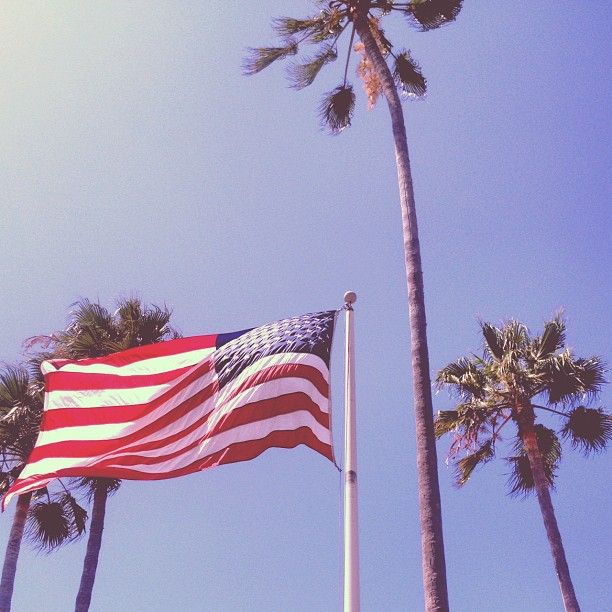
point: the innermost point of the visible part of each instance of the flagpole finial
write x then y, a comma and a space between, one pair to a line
350, 297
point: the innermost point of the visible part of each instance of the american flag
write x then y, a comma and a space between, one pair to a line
178, 407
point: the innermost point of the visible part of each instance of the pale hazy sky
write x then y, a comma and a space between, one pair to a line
135, 158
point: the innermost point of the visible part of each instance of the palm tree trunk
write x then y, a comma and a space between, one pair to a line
12, 551
530, 442
94, 542
432, 543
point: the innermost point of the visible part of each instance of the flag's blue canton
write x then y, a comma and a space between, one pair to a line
311, 333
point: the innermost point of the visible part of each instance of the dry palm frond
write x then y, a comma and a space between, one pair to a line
446, 421
327, 24
467, 465
287, 27
303, 74
372, 84
383, 43
262, 57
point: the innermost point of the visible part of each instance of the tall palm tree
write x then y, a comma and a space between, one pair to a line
322, 33
93, 331
518, 377
51, 519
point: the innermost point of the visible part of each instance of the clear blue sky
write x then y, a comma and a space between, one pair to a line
135, 158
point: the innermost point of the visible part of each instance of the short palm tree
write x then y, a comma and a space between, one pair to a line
502, 394
51, 519
94, 331
387, 70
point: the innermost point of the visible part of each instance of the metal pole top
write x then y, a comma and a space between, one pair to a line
350, 297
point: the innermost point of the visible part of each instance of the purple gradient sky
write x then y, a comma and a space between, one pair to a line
135, 158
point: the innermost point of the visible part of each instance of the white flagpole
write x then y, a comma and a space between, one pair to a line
351, 529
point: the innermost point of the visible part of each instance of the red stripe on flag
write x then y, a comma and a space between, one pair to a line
149, 351
84, 381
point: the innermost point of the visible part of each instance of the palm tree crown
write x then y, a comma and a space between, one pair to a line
53, 518
517, 371
20, 414
47, 519
518, 376
383, 70
322, 32
93, 331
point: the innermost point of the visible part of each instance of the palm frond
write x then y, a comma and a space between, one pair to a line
128, 314
287, 27
37, 379
77, 514
385, 6
327, 24
137, 324
514, 337
48, 525
473, 419
588, 429
261, 57
85, 313
153, 327
464, 377
552, 338
446, 421
408, 76
520, 481
302, 75
467, 465
570, 379
590, 372
94, 332
87, 342
14, 389
549, 445
90, 332
336, 108
493, 340
431, 14
20, 413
